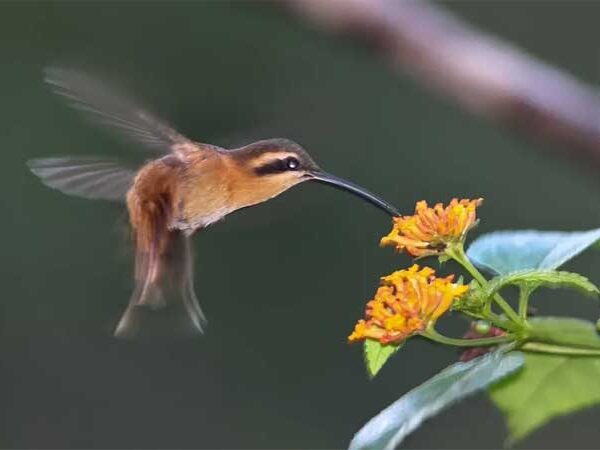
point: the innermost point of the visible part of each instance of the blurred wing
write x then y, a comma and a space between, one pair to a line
88, 178
114, 110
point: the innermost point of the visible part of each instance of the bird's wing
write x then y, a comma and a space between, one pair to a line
85, 177
113, 109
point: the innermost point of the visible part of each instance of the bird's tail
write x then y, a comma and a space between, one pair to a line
164, 303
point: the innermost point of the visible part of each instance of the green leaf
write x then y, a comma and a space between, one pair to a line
564, 331
504, 252
547, 387
549, 278
376, 355
393, 424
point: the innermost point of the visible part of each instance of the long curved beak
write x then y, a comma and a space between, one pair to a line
340, 183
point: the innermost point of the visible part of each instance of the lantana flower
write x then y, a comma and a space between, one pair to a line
407, 302
430, 230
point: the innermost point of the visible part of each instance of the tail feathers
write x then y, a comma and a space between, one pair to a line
164, 303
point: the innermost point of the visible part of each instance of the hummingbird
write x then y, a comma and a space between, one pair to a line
188, 186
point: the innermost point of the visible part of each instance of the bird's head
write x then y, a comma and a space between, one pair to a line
273, 166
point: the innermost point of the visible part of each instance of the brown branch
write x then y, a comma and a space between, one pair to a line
482, 73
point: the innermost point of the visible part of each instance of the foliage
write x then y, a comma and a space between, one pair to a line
548, 386
555, 352
532, 279
504, 252
393, 424
376, 354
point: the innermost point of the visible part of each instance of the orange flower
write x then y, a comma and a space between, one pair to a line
430, 230
407, 302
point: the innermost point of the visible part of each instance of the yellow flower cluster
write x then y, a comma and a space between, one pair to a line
430, 230
406, 303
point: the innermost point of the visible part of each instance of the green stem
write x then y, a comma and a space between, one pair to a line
524, 293
541, 347
496, 320
457, 253
433, 335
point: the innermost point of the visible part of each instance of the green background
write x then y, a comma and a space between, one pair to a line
282, 284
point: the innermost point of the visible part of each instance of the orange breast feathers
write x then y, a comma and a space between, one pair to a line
170, 194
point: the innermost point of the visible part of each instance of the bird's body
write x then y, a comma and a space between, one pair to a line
171, 185
189, 187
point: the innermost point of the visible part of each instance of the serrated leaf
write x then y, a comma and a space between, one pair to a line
504, 252
564, 331
547, 387
548, 278
393, 424
377, 354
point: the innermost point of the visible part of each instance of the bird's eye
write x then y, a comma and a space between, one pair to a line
278, 166
292, 163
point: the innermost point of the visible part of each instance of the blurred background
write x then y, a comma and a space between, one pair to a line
282, 284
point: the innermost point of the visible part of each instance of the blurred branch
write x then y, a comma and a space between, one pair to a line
483, 74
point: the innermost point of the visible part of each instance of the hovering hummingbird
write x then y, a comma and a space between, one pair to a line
188, 187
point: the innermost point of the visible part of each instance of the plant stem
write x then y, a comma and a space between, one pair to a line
524, 293
541, 347
496, 320
433, 335
457, 253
